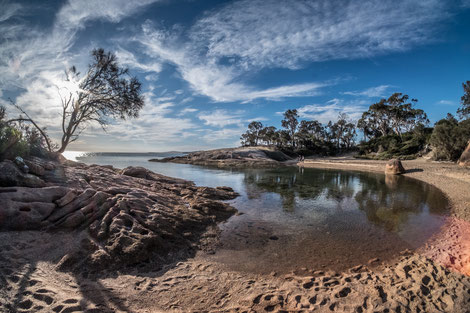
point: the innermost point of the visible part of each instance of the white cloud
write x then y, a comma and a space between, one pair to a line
206, 76
271, 33
224, 134
8, 10
127, 58
372, 92
187, 111
32, 60
331, 109
446, 102
221, 118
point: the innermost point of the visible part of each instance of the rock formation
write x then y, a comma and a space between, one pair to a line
394, 167
122, 217
465, 157
233, 157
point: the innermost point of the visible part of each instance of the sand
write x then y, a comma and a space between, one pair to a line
431, 279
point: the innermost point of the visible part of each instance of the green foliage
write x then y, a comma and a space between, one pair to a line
464, 111
306, 137
407, 146
18, 139
394, 115
450, 138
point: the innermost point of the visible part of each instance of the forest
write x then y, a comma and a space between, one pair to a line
390, 128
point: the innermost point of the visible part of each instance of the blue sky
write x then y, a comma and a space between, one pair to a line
208, 68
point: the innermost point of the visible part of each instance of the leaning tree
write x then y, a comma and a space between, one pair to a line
105, 91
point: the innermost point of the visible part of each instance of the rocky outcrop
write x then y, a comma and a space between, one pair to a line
233, 157
11, 175
465, 157
123, 216
394, 167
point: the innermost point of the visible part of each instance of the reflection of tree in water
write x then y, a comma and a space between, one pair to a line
307, 184
390, 201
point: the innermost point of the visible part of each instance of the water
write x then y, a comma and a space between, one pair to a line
309, 219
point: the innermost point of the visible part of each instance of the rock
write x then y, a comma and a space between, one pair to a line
21, 165
121, 219
394, 167
135, 171
35, 168
26, 208
11, 176
465, 157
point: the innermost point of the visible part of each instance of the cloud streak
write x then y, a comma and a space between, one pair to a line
289, 34
372, 92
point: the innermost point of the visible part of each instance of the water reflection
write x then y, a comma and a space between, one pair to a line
326, 219
387, 201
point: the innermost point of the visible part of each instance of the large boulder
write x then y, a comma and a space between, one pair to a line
11, 175
465, 157
394, 167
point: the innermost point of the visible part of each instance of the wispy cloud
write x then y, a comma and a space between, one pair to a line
206, 76
33, 59
221, 118
446, 102
331, 109
288, 34
372, 92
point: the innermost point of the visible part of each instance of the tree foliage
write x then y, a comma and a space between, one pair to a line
105, 91
450, 138
19, 139
394, 115
464, 111
290, 123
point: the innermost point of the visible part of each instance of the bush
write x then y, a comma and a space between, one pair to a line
18, 139
450, 138
409, 146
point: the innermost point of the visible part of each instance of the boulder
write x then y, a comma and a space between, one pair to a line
11, 175
465, 157
394, 167
35, 168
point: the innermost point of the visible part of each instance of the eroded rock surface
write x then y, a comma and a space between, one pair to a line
123, 217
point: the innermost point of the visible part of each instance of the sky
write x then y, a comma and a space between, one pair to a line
208, 68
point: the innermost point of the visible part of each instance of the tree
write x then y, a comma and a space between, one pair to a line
393, 115
464, 111
290, 123
268, 135
252, 135
105, 91
449, 138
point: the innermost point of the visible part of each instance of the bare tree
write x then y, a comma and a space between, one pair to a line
105, 91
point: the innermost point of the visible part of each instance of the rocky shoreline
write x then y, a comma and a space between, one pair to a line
234, 157
81, 260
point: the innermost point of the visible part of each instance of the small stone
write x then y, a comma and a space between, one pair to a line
374, 260
273, 238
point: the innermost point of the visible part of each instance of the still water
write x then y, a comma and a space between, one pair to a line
301, 219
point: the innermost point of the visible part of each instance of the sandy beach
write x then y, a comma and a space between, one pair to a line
431, 279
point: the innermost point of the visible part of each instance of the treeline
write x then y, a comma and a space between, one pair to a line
303, 136
392, 127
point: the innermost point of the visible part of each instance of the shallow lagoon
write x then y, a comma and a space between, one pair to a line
302, 219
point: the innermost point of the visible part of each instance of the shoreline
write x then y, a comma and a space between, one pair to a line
414, 281
451, 245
